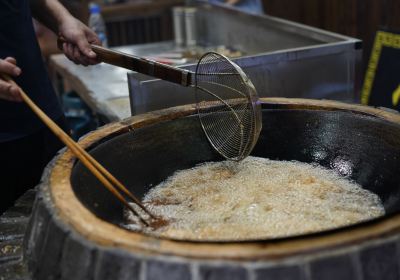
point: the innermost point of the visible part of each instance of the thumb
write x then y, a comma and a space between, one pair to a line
85, 47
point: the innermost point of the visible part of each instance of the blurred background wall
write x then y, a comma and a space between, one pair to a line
356, 18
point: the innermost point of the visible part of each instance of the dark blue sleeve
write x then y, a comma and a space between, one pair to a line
18, 40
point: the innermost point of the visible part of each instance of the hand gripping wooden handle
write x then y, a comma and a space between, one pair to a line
139, 64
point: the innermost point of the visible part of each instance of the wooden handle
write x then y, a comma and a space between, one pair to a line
140, 64
93, 165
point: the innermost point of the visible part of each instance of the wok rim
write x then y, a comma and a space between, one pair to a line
72, 212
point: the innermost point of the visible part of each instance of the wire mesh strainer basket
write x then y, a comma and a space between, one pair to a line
228, 106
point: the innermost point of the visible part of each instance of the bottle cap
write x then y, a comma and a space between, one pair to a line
94, 8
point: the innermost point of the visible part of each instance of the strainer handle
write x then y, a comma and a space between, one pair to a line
139, 64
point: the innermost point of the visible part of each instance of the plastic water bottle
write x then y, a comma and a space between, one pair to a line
96, 23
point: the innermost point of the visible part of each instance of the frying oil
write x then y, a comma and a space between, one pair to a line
256, 198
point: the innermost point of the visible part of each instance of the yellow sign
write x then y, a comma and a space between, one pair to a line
382, 39
396, 96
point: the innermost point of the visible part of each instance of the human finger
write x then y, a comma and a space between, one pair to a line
68, 51
84, 46
80, 57
9, 92
93, 39
11, 60
75, 54
9, 68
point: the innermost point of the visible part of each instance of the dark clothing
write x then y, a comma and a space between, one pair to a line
18, 40
26, 145
22, 162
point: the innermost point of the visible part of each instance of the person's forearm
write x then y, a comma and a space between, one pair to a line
51, 13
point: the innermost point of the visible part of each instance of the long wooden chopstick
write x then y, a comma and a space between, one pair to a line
93, 165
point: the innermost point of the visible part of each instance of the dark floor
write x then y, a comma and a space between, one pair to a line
13, 224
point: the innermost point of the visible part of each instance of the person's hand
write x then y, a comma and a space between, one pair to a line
78, 37
8, 91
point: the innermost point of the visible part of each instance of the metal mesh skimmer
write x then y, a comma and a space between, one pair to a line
227, 102
228, 106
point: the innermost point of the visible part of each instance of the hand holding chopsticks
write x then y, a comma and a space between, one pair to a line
107, 179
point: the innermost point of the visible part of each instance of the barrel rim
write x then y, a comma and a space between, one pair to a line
72, 212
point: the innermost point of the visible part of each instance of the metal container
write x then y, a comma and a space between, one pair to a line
190, 27
282, 58
179, 25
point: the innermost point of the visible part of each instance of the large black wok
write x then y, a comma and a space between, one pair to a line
363, 147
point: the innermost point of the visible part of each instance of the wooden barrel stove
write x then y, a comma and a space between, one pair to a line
75, 231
